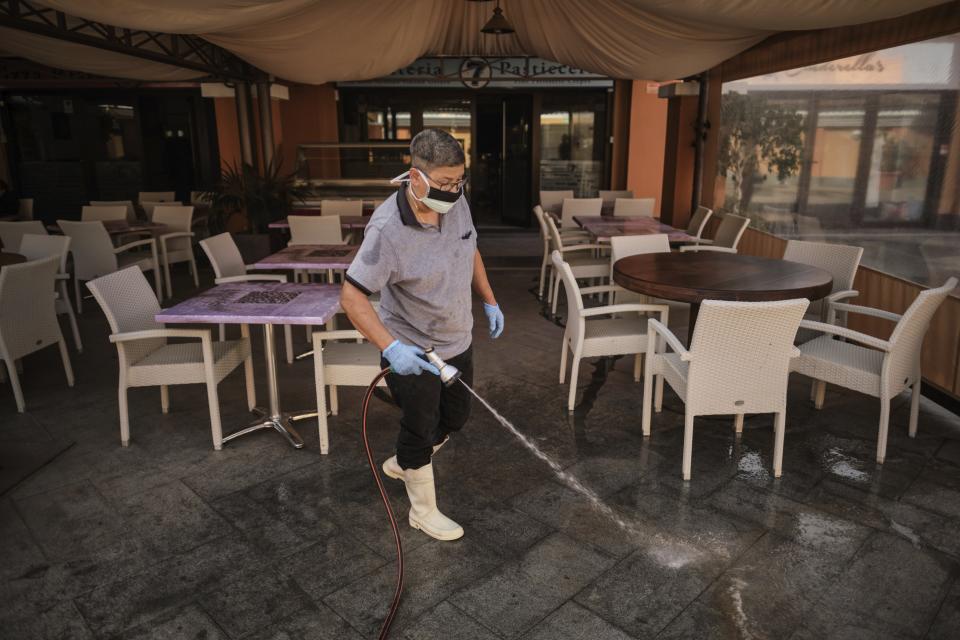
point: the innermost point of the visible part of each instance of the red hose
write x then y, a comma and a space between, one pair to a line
385, 628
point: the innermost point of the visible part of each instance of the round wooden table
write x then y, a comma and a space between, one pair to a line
10, 258
710, 275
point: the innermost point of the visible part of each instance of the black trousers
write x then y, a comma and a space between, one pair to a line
431, 411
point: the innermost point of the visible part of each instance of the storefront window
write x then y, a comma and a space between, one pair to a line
567, 153
863, 150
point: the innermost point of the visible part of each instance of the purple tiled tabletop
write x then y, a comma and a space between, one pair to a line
605, 227
310, 256
347, 222
267, 304
258, 303
121, 227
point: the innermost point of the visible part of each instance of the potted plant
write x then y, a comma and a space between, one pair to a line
246, 200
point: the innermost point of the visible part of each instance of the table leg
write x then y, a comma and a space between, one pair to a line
273, 417
692, 323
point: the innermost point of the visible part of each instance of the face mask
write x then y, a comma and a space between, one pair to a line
439, 201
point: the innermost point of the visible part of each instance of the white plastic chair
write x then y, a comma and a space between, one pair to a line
176, 243
157, 196
103, 213
609, 197
626, 246
738, 363
315, 230
94, 255
26, 209
840, 260
228, 266
878, 368
11, 232
579, 207
38, 247
634, 207
589, 336
698, 222
572, 237
351, 363
131, 211
552, 201
728, 236
29, 319
582, 266
149, 206
341, 207
148, 360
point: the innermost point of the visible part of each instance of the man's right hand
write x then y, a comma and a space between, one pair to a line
405, 359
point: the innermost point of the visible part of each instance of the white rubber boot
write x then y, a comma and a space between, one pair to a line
392, 468
424, 514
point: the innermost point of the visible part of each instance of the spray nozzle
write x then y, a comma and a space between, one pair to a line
448, 373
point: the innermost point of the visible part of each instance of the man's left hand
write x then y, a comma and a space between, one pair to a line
495, 318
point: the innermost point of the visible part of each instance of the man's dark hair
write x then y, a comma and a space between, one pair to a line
435, 148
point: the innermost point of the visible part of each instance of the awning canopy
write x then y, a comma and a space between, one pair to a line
316, 41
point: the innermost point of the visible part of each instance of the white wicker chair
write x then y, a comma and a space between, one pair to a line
228, 266
878, 368
582, 266
156, 196
552, 201
589, 336
698, 221
609, 197
37, 247
341, 207
738, 363
176, 243
148, 360
634, 207
94, 255
29, 319
570, 237
131, 211
625, 246
103, 213
840, 260
11, 232
26, 209
579, 207
315, 230
728, 236
149, 206
351, 363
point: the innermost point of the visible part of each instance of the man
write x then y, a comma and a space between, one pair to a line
420, 252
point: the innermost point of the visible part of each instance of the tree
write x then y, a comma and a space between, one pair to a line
756, 139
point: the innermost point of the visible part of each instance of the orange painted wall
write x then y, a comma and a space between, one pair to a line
648, 130
228, 136
310, 115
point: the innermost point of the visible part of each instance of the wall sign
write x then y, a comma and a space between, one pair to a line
479, 73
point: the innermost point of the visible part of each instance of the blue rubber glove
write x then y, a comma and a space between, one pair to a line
405, 359
495, 318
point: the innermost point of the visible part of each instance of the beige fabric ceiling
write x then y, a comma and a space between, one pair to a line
315, 41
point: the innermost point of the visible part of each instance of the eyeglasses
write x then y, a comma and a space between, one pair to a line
447, 186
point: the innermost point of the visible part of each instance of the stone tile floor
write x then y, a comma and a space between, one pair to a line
170, 539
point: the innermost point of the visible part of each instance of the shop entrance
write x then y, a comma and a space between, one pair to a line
502, 159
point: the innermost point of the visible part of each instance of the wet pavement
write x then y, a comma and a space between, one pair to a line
170, 539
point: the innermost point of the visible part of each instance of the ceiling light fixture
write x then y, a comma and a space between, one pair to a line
497, 24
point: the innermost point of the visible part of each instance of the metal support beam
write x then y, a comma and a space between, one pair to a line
185, 51
700, 127
241, 95
265, 106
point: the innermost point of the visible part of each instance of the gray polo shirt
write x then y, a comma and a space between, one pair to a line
423, 273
